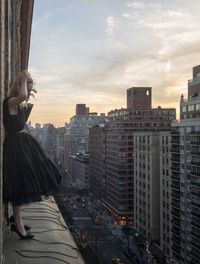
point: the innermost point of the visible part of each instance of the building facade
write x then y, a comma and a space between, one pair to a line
97, 159
77, 133
79, 170
121, 133
139, 98
60, 145
185, 177
165, 192
147, 184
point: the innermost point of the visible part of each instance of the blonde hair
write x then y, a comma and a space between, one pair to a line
16, 84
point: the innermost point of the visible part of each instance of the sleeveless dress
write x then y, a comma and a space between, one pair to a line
28, 174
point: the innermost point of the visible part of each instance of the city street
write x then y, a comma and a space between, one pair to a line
94, 228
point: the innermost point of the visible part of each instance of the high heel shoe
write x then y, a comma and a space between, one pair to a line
12, 221
26, 237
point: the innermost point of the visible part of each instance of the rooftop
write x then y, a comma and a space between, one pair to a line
52, 243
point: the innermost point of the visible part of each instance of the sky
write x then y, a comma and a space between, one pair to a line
92, 51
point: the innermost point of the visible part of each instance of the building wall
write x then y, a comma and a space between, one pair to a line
77, 134
165, 192
185, 173
139, 97
15, 30
79, 170
119, 152
147, 184
96, 163
60, 144
194, 84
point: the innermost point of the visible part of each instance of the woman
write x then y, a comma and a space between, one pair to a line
27, 172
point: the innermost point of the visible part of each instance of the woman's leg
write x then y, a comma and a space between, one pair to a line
18, 220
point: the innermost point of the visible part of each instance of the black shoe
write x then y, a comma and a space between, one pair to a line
12, 221
26, 237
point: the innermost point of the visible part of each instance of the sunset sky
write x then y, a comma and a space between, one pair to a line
91, 51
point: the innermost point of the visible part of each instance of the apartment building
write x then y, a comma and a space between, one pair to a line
165, 191
96, 163
185, 177
77, 131
147, 184
79, 170
120, 167
60, 144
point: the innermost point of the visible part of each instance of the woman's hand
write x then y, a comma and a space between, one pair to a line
23, 78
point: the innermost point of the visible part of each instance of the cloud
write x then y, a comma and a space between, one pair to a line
136, 4
147, 44
111, 23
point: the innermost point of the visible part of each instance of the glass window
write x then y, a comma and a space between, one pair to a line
184, 109
191, 108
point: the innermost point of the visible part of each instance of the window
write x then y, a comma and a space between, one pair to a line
184, 109
191, 108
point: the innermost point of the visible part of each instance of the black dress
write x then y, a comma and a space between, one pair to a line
27, 172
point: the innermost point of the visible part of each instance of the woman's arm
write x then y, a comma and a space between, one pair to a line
22, 93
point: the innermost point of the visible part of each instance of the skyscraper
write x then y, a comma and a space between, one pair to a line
185, 177
125, 130
96, 162
139, 98
81, 109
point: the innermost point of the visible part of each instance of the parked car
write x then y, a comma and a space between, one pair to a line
97, 221
117, 261
75, 207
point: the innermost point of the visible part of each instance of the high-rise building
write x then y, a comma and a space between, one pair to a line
96, 163
147, 184
185, 177
120, 167
77, 133
79, 170
60, 150
81, 109
194, 83
165, 191
49, 139
139, 98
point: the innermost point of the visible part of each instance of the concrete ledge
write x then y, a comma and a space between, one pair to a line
52, 241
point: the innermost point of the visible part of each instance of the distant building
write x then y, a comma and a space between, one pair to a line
139, 98
165, 192
146, 183
37, 126
77, 133
126, 129
81, 109
79, 170
49, 139
96, 163
60, 151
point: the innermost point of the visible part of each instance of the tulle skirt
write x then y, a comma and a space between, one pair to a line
28, 174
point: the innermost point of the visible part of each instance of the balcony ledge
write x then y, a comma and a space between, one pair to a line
52, 243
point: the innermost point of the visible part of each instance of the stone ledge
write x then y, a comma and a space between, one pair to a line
52, 241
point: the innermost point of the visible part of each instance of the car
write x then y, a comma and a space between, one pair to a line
75, 207
117, 261
70, 202
83, 205
97, 221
